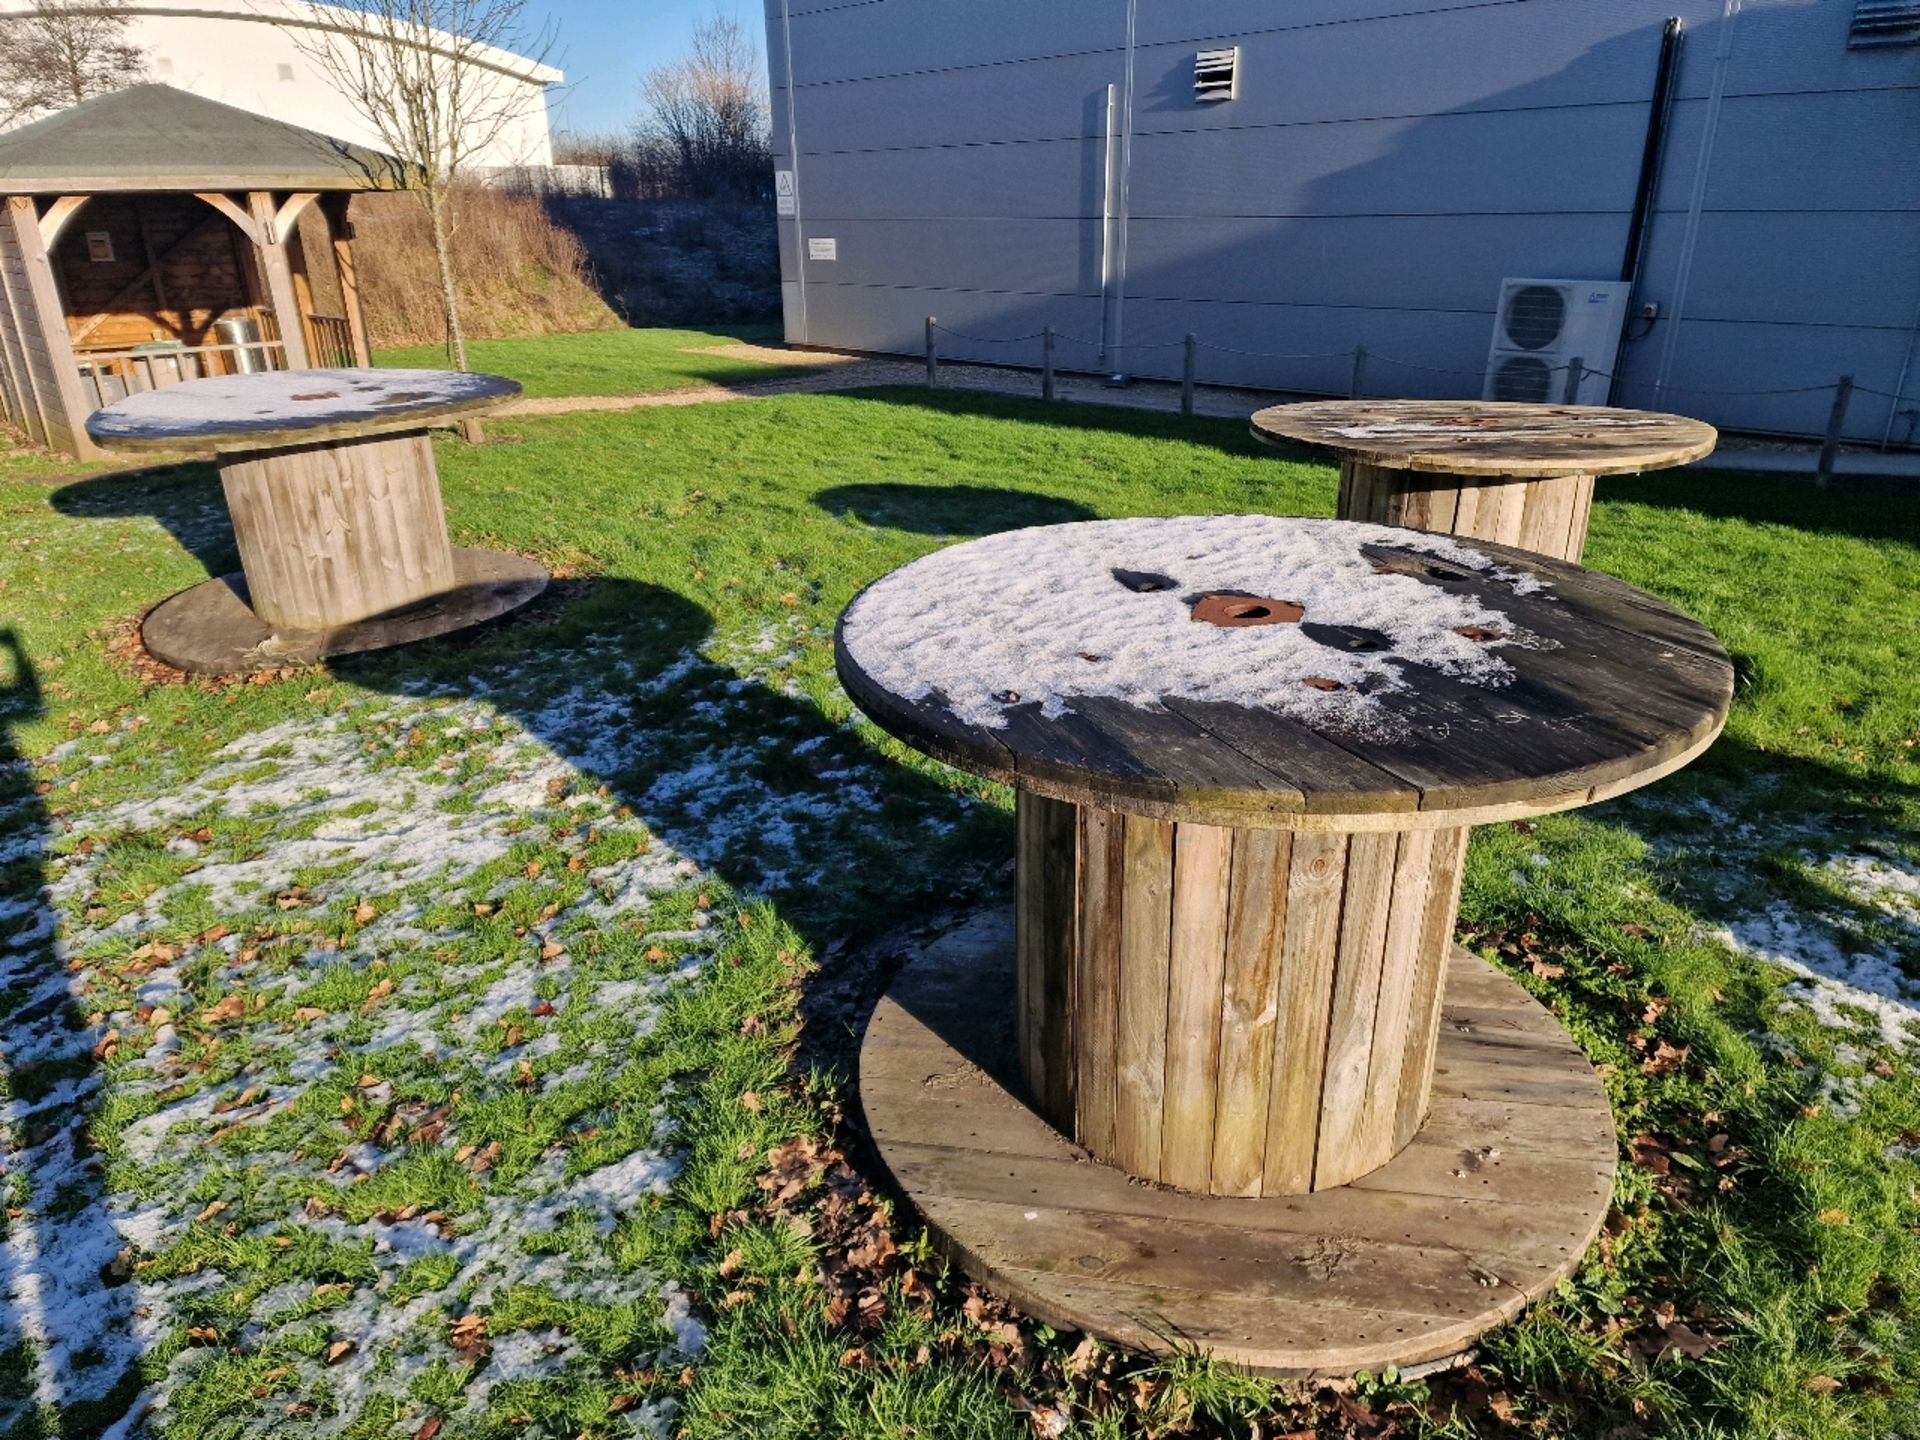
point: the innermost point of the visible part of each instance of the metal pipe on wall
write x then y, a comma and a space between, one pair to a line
793, 160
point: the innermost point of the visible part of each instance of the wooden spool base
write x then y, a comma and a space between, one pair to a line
1494, 1202
210, 629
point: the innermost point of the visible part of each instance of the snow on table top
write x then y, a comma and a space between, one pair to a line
225, 406
1038, 615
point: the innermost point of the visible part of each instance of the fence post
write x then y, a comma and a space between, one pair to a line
1046, 363
933, 357
1189, 371
1836, 421
1576, 372
1359, 372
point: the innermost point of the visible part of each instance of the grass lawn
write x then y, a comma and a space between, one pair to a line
455, 1043
611, 362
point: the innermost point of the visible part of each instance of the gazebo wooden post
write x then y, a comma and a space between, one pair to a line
272, 250
44, 287
336, 209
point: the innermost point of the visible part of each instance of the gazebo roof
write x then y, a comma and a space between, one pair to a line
154, 137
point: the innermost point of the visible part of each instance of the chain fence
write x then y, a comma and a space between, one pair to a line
1561, 383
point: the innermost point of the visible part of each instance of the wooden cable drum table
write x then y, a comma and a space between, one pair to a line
1515, 474
1228, 1081
330, 481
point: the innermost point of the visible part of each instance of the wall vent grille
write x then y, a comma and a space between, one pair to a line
1216, 74
1885, 22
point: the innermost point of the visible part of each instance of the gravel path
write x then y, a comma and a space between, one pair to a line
834, 371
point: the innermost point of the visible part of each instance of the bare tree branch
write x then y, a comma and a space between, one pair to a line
440, 82
62, 52
707, 114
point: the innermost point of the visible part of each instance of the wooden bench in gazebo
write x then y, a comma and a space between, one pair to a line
133, 225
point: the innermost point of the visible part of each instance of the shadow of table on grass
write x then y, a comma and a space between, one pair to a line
729, 763
960, 510
185, 500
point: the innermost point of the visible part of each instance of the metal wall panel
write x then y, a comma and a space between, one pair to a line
1033, 257
1448, 262
1385, 165
1060, 178
1028, 100
887, 37
1580, 159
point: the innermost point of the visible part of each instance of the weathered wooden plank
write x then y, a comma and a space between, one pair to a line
1256, 934
1202, 871
1342, 1150
1146, 937
1314, 895
1432, 961
1096, 1018
1046, 908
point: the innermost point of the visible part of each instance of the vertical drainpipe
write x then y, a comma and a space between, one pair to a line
1109, 182
1124, 203
1703, 166
793, 160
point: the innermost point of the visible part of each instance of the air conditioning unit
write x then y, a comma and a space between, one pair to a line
1543, 326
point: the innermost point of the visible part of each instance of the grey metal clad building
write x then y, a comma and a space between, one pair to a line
1300, 177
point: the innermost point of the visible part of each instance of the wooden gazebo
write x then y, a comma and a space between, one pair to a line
135, 224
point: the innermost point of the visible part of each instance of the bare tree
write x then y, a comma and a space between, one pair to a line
62, 52
426, 76
708, 111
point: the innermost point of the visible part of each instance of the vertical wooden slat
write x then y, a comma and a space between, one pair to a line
1399, 973
1442, 506
1044, 907
1581, 519
1442, 908
1202, 870
1256, 934
1340, 1156
1096, 1018
1305, 992
1146, 931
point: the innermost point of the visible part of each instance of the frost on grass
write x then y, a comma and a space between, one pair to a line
1791, 888
333, 1010
1046, 615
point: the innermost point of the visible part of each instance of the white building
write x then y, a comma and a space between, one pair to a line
242, 53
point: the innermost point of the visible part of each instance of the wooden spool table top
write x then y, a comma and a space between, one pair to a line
1425, 681
293, 407
1493, 438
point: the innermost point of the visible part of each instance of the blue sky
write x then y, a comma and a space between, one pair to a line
606, 45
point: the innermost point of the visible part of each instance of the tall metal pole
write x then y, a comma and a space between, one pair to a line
1188, 373
1046, 363
1359, 381
933, 355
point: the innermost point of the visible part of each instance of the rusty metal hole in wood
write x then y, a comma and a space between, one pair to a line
1478, 632
1321, 682
1238, 611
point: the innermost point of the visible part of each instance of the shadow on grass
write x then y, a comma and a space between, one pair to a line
949, 509
756, 784
185, 499
64, 1297
1846, 509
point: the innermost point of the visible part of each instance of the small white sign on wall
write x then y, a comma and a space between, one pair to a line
784, 193
823, 249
